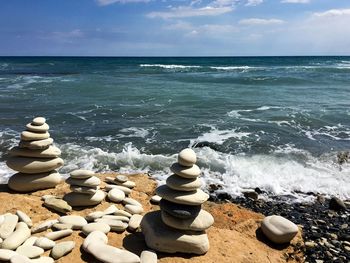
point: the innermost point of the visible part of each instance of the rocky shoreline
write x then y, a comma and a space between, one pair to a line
325, 223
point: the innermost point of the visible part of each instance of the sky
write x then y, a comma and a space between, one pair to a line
174, 28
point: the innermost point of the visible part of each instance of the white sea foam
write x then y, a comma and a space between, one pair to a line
168, 66
230, 68
133, 132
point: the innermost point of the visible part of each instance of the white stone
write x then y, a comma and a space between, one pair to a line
121, 178
58, 205
197, 197
50, 152
34, 136
2, 219
44, 243
116, 195
60, 226
77, 222
44, 226
179, 183
187, 157
134, 209
92, 181
115, 217
122, 213
148, 256
93, 238
21, 234
37, 128
131, 201
110, 210
36, 145
39, 121
77, 199
30, 165
20, 259
278, 229
126, 190
82, 174
8, 226
6, 254
156, 199
59, 234
42, 260
84, 189
135, 222
30, 251
30, 241
98, 226
185, 171
129, 184
116, 225
94, 215
24, 218
61, 249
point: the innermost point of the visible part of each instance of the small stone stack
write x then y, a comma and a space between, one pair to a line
85, 188
35, 159
181, 223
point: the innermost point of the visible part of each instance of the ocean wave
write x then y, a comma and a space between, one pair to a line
230, 68
171, 66
133, 132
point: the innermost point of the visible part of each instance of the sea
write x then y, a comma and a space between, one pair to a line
277, 123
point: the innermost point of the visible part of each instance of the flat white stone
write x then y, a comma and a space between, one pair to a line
58, 205
179, 183
94, 215
134, 209
44, 243
84, 189
6, 254
116, 195
122, 213
42, 260
92, 181
61, 249
60, 226
156, 199
37, 128
30, 251
77, 222
185, 171
39, 121
21, 234
126, 190
278, 229
59, 234
131, 201
98, 226
197, 197
36, 145
115, 217
121, 178
77, 199
50, 152
24, 218
20, 259
116, 225
30, 241
187, 157
94, 238
135, 222
148, 256
34, 136
44, 226
82, 174
129, 184
32, 182
31, 165
2, 219
110, 210
8, 226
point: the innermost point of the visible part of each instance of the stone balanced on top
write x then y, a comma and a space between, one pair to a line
181, 223
35, 159
85, 188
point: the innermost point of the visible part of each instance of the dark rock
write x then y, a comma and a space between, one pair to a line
344, 237
321, 199
206, 144
336, 204
251, 194
178, 210
258, 190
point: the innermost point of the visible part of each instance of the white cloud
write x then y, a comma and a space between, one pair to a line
333, 13
295, 1
109, 2
185, 11
254, 2
260, 21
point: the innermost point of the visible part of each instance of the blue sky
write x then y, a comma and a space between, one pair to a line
174, 28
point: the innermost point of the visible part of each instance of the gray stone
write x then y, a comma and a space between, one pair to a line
20, 259
8, 226
121, 178
94, 238
131, 201
17, 237
116, 195
50, 152
62, 248
178, 210
135, 222
60, 226
128, 184
31, 165
84, 189
34, 136
126, 190
6, 254
179, 183
36, 145
38, 128
92, 181
77, 199
187, 157
163, 238
122, 213
134, 209
32, 182
59, 234
30, 251
44, 243
197, 197
148, 256
98, 226
278, 229
44, 226
58, 205
116, 217
77, 222
38, 121
94, 215
185, 171
81, 174
115, 225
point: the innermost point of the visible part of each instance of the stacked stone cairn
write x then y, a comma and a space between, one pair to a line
180, 224
35, 159
85, 187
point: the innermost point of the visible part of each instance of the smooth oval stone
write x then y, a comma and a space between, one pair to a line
43, 226
58, 205
6, 254
42, 260
109, 254
59, 234
30, 241
77, 199
126, 190
122, 213
2, 219
82, 174
50, 152
98, 226
24, 218
37, 128
20, 235
116, 195
197, 197
161, 237
31, 165
115, 217
62, 248
134, 209
8, 226
148, 256
84, 189
178, 183
156, 199
38, 121
20, 259
77, 222
129, 184
94, 238
32, 182
278, 229
200, 223
178, 210
121, 178
94, 215
110, 210
30, 251
59, 226
187, 157
135, 222
131, 201
115, 225
44, 243
36, 145
88, 182
185, 171
34, 136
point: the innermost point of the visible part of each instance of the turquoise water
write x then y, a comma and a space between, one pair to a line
270, 122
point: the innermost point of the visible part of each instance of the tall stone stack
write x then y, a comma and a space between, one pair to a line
180, 224
85, 188
35, 159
